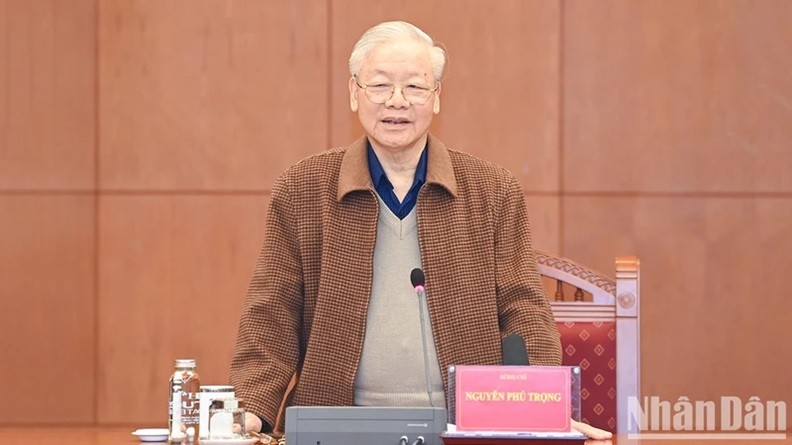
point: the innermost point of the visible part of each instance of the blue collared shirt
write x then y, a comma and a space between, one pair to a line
384, 187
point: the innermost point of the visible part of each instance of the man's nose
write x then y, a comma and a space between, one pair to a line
397, 99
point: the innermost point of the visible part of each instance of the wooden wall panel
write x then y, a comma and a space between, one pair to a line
500, 98
543, 215
677, 96
47, 94
174, 271
715, 287
687, 97
210, 94
47, 309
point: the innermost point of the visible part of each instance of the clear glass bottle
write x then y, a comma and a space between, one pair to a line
183, 409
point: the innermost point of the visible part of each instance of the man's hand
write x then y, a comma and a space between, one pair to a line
252, 422
591, 432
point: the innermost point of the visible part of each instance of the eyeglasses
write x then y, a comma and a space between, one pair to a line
380, 93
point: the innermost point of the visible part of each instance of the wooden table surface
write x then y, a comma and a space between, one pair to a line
123, 436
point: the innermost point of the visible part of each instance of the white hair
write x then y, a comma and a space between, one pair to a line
388, 31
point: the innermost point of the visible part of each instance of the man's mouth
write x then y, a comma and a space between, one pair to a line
395, 120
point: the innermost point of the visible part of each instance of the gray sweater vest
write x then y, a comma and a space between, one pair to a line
392, 369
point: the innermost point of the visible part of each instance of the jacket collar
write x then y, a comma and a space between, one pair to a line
355, 174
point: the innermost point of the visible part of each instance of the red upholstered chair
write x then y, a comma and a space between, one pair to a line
600, 332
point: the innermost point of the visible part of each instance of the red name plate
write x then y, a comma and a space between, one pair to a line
513, 398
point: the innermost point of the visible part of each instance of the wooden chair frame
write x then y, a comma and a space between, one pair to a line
613, 300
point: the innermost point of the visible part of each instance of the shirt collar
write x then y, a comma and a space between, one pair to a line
355, 174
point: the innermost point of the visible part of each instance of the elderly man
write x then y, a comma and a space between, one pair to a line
331, 300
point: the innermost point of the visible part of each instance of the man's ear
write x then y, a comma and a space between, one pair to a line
353, 90
436, 107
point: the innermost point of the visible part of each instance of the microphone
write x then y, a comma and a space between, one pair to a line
418, 280
514, 352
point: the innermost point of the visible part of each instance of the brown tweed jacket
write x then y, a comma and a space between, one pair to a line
306, 308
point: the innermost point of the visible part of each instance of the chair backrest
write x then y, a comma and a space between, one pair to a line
600, 332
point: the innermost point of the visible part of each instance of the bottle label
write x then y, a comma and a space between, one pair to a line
190, 407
